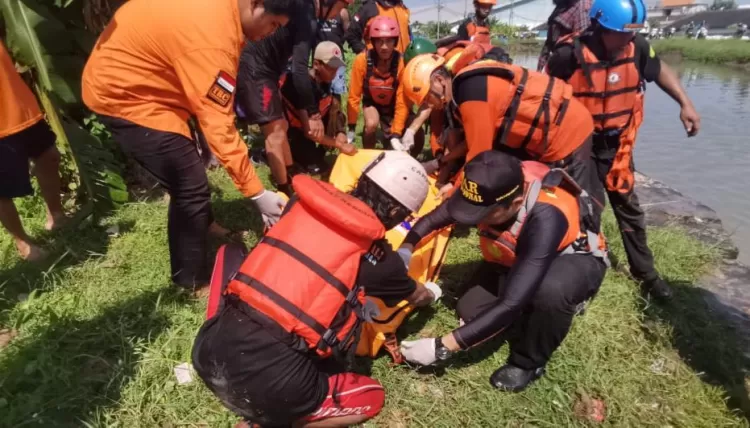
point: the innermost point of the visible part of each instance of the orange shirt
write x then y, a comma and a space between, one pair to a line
19, 109
356, 89
159, 62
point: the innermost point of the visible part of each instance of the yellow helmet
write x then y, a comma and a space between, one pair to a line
416, 76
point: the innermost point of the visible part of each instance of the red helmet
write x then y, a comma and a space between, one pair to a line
383, 27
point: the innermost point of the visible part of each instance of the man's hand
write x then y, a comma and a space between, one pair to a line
691, 120
270, 205
317, 129
420, 351
445, 192
344, 146
408, 139
397, 145
435, 290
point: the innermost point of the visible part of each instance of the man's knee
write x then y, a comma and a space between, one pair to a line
555, 295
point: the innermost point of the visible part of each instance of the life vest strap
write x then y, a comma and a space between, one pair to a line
601, 65
543, 110
607, 94
309, 263
606, 116
371, 56
561, 112
512, 111
282, 302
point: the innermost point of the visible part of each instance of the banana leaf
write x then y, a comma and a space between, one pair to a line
38, 40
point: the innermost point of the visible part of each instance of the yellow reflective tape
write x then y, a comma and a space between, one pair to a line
513, 190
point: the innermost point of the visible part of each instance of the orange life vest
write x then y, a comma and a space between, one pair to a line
612, 91
552, 187
478, 33
290, 112
461, 53
609, 89
379, 89
535, 111
302, 274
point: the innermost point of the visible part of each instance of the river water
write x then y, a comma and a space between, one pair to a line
710, 167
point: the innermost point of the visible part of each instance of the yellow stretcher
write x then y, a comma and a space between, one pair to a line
425, 264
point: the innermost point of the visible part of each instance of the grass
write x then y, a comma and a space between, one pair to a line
728, 51
100, 330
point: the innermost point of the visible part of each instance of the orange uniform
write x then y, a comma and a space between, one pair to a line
19, 109
379, 84
174, 59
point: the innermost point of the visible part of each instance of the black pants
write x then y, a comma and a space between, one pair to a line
571, 279
305, 152
630, 217
174, 161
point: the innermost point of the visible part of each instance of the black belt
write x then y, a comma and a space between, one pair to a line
607, 141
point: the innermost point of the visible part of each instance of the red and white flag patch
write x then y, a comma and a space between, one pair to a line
222, 89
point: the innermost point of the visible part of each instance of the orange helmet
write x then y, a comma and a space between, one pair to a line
486, 2
417, 74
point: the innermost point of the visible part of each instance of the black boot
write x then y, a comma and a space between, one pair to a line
514, 379
658, 289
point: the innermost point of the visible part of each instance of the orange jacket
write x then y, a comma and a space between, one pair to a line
357, 33
521, 110
303, 273
378, 82
19, 109
159, 62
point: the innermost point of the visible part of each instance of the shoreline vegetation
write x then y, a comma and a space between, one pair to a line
729, 52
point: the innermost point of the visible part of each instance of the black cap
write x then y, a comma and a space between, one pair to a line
490, 179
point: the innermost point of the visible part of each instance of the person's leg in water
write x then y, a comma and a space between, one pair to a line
278, 153
372, 121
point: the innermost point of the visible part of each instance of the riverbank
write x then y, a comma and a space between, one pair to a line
735, 53
523, 47
98, 331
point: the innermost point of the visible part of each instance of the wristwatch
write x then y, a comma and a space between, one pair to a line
441, 352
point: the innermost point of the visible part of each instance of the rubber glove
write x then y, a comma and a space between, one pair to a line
270, 205
397, 145
405, 255
350, 136
435, 289
420, 351
408, 139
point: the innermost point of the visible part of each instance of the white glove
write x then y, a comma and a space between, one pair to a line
270, 205
420, 351
431, 166
408, 139
350, 136
437, 292
396, 144
405, 256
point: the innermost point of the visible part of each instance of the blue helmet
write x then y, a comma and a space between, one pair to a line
625, 16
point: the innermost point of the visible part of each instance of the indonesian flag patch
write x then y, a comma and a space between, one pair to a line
223, 88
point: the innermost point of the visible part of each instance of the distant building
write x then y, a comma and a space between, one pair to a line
670, 10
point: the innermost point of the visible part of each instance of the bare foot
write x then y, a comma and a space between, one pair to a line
201, 292
30, 252
216, 231
56, 222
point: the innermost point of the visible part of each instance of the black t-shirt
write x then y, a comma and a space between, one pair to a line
331, 30
268, 58
290, 93
543, 231
264, 376
563, 62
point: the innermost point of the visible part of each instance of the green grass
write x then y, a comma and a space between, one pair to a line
100, 330
708, 51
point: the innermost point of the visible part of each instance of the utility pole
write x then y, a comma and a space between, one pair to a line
466, 8
511, 13
439, 8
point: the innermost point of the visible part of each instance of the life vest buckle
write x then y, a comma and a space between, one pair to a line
353, 297
329, 338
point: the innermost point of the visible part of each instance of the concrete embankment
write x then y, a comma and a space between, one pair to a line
728, 283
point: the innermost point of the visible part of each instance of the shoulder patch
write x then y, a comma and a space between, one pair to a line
222, 89
376, 252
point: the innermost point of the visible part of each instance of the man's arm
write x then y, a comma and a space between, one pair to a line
356, 83
435, 220
356, 28
303, 85
479, 116
345, 20
401, 111
207, 77
536, 250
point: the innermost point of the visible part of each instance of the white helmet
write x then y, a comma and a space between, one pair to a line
401, 176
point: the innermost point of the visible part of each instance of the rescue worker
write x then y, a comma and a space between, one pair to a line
509, 108
25, 136
395, 9
568, 17
474, 27
155, 65
334, 30
261, 67
374, 84
327, 59
608, 66
275, 352
542, 259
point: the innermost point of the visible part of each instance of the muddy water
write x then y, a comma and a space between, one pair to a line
714, 167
